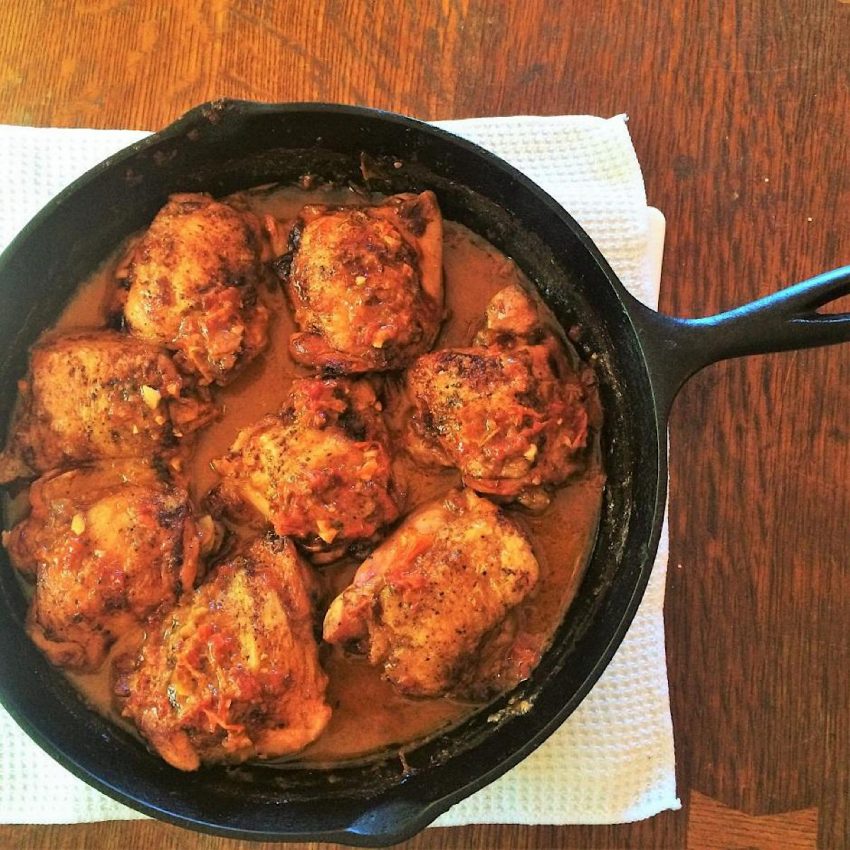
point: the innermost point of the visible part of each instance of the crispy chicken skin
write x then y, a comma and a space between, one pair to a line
319, 470
426, 601
109, 545
365, 283
99, 394
509, 412
233, 671
191, 284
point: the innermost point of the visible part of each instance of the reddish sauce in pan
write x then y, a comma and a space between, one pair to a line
368, 714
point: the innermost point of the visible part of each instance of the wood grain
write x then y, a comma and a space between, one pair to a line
740, 113
790, 831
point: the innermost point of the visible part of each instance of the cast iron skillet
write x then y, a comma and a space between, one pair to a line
641, 358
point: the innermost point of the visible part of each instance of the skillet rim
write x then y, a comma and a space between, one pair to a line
425, 811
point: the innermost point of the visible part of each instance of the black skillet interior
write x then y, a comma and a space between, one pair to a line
226, 146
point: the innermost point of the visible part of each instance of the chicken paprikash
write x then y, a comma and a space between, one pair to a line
192, 284
318, 470
424, 602
352, 544
100, 394
107, 545
509, 412
232, 671
366, 283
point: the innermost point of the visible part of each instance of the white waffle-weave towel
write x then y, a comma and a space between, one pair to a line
612, 761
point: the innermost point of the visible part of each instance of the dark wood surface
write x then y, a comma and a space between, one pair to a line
740, 113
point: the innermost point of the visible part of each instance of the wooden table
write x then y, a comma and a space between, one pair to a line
740, 113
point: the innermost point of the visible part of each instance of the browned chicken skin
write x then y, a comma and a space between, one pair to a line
109, 545
192, 285
233, 671
509, 412
99, 394
318, 471
365, 283
428, 599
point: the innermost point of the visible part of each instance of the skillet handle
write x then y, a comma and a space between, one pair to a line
675, 349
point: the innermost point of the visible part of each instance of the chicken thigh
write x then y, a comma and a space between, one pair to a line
233, 671
427, 601
319, 470
509, 412
365, 283
99, 394
192, 284
109, 545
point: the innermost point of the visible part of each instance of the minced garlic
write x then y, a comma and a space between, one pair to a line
326, 531
150, 396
